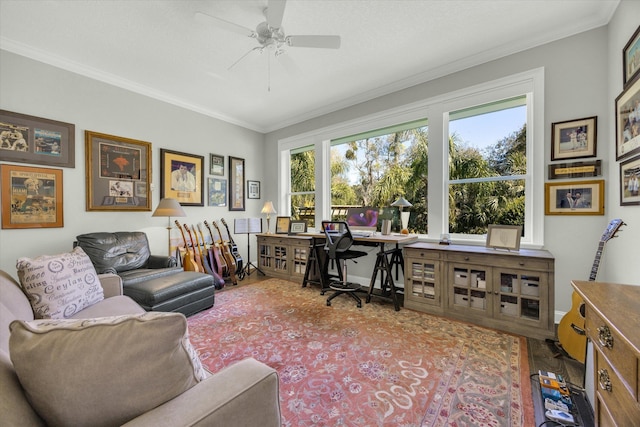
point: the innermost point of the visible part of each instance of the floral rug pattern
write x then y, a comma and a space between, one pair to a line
344, 366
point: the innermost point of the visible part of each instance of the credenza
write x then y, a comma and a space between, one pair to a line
283, 256
612, 322
506, 290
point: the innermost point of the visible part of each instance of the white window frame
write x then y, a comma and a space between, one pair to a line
436, 110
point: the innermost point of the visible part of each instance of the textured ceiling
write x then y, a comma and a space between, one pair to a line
160, 49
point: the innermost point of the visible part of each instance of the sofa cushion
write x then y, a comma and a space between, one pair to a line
58, 286
112, 369
14, 407
116, 252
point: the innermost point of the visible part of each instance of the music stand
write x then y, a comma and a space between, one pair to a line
248, 226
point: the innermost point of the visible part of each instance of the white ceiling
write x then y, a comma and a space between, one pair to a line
160, 49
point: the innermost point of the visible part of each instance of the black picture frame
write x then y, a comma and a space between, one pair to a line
253, 189
575, 169
297, 226
216, 165
631, 58
188, 191
282, 224
627, 126
574, 139
630, 182
236, 184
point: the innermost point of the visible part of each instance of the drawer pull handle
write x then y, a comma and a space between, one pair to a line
603, 379
466, 258
604, 336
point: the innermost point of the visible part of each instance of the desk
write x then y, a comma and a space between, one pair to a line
385, 260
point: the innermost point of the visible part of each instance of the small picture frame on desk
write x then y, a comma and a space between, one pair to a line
504, 237
282, 224
297, 226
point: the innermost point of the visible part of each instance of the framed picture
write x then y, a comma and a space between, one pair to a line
629, 178
504, 237
574, 198
216, 165
217, 191
182, 177
118, 173
631, 58
29, 139
575, 169
236, 184
628, 121
573, 139
297, 226
253, 189
282, 224
31, 197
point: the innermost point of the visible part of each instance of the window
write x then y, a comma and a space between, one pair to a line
302, 195
462, 172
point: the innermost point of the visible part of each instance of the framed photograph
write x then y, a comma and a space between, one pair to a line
182, 177
297, 226
628, 121
631, 58
575, 169
573, 139
216, 165
31, 197
253, 189
504, 237
29, 139
217, 191
118, 173
574, 198
629, 178
282, 224
236, 184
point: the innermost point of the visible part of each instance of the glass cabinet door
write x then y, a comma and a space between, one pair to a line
423, 282
470, 288
520, 294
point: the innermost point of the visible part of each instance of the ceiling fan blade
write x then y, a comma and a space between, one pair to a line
243, 56
224, 24
275, 12
288, 64
327, 42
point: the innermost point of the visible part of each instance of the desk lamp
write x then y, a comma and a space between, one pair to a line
404, 216
268, 209
169, 208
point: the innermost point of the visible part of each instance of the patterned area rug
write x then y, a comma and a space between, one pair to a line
344, 366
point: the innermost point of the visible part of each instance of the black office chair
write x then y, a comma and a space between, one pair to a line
337, 247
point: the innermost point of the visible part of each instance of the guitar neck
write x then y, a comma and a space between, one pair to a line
596, 263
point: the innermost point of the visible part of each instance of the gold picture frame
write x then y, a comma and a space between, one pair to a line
504, 237
31, 197
118, 173
182, 177
574, 198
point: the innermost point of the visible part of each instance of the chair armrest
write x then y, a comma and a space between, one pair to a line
161, 261
111, 284
243, 394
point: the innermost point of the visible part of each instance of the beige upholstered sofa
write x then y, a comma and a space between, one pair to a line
244, 394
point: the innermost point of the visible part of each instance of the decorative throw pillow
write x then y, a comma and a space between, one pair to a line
58, 286
112, 368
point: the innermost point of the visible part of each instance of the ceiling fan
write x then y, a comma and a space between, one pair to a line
270, 33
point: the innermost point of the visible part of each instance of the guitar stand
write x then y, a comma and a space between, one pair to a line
246, 270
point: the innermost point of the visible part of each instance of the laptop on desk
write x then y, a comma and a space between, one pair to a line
362, 222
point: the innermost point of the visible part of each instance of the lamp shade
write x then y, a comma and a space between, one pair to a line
402, 203
268, 208
169, 207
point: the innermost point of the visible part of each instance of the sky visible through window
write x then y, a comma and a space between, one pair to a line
485, 130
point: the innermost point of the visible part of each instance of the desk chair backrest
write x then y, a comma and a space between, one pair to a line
339, 237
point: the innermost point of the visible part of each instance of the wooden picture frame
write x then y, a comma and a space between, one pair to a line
236, 184
217, 192
629, 182
253, 189
182, 177
30, 139
575, 169
118, 173
31, 197
573, 139
216, 165
297, 226
504, 237
631, 58
560, 196
282, 224
628, 121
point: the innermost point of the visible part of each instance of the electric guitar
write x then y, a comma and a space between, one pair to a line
218, 255
571, 332
226, 250
234, 247
195, 254
188, 263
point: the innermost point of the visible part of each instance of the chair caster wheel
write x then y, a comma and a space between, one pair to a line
328, 303
359, 305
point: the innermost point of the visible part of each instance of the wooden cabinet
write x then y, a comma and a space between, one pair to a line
612, 317
283, 256
510, 291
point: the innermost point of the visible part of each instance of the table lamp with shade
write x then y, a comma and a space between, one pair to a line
268, 209
169, 207
404, 216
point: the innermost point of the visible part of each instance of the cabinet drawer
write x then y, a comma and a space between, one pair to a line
619, 354
300, 243
422, 254
614, 394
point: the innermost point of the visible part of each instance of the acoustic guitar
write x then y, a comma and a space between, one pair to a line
207, 251
571, 332
234, 249
195, 254
218, 255
206, 259
228, 256
188, 263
